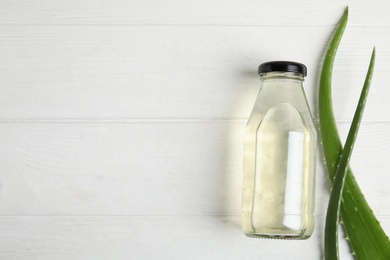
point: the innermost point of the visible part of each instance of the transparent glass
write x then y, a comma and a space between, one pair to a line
278, 191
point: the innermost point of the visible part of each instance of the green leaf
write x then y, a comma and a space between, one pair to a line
332, 216
366, 236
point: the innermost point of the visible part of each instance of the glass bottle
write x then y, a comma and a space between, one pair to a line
278, 189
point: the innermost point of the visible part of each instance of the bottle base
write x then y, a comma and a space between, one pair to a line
280, 234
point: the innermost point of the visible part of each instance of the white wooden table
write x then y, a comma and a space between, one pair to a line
121, 122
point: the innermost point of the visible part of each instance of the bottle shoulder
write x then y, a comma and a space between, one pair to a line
282, 116
271, 95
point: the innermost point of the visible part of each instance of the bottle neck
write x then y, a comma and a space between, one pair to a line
283, 75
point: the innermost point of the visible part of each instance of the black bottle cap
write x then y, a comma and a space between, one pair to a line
287, 66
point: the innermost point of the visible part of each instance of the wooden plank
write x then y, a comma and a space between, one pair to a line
150, 72
203, 12
129, 237
151, 168
156, 168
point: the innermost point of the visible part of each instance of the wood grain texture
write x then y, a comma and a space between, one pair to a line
121, 122
146, 237
150, 72
150, 168
143, 169
203, 12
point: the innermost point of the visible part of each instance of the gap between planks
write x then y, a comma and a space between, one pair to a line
147, 121
119, 120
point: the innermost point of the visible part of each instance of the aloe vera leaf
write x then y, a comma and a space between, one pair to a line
366, 236
332, 216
